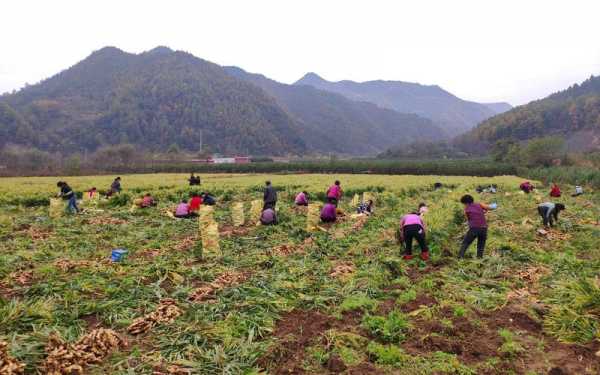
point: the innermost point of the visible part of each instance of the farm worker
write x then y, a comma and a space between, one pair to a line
490, 189
194, 180
526, 187
329, 212
270, 196
365, 208
301, 199
578, 191
147, 201
413, 227
208, 199
195, 202
334, 193
92, 193
183, 210
555, 191
475, 213
67, 194
268, 217
423, 208
115, 187
549, 212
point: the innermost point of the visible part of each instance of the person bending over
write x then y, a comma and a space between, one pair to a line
334, 193
475, 213
365, 208
549, 212
269, 196
67, 194
329, 212
183, 210
195, 202
413, 227
301, 199
268, 217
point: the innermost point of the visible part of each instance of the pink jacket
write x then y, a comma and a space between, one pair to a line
182, 209
335, 191
411, 219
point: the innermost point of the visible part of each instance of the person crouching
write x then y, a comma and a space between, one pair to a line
413, 227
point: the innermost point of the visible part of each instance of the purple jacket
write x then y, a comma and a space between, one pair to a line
301, 198
334, 191
328, 212
476, 216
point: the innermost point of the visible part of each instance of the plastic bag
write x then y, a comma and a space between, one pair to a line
355, 200
205, 216
237, 214
210, 238
255, 211
313, 216
57, 207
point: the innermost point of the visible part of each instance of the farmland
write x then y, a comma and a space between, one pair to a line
282, 300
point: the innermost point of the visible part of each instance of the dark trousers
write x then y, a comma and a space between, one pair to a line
72, 203
474, 233
547, 219
269, 205
414, 231
188, 216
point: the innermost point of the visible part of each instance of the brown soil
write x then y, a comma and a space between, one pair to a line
475, 338
298, 330
386, 306
335, 364
91, 321
420, 301
6, 292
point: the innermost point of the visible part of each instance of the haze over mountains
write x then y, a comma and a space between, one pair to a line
161, 98
446, 110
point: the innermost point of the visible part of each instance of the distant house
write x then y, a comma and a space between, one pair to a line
233, 160
242, 159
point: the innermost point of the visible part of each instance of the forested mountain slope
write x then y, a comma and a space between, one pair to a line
446, 110
153, 100
333, 122
573, 114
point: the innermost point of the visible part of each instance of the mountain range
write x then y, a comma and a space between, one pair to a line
332, 122
451, 113
573, 114
162, 98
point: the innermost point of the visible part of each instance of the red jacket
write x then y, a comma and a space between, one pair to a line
195, 203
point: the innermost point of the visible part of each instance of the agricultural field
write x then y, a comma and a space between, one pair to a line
285, 300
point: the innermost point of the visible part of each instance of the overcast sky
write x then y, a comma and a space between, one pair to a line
504, 50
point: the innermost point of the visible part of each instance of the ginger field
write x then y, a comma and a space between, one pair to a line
284, 300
